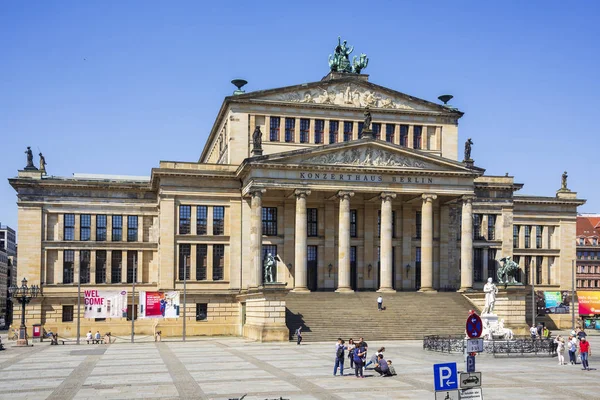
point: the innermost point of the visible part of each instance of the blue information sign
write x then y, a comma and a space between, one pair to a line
445, 376
470, 363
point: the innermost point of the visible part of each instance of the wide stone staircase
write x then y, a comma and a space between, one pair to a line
325, 316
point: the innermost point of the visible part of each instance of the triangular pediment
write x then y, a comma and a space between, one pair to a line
366, 153
351, 93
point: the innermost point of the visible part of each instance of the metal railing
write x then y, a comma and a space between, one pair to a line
519, 346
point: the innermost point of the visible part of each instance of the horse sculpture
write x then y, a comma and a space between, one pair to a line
507, 273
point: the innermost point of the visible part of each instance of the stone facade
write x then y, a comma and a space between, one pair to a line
397, 211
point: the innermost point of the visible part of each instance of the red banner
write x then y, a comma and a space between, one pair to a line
153, 301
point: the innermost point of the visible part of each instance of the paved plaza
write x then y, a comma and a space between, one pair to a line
226, 368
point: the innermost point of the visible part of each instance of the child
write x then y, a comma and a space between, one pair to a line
391, 368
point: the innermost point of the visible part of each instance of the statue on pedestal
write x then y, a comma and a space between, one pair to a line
508, 272
42, 164
564, 181
490, 291
269, 265
468, 145
29, 165
257, 142
367, 122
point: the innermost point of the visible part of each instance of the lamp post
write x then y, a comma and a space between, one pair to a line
533, 299
572, 304
23, 294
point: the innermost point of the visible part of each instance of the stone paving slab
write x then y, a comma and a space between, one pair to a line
225, 368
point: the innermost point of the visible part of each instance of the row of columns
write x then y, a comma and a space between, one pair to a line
344, 277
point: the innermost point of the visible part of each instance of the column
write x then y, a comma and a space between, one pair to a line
300, 268
256, 236
344, 242
386, 243
466, 245
108, 266
427, 243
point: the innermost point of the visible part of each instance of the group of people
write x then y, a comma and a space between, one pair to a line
97, 338
357, 354
539, 332
577, 341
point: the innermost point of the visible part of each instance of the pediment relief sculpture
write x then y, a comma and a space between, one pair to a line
369, 156
346, 94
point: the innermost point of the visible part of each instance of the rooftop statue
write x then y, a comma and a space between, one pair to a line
29, 165
257, 138
340, 60
468, 145
42, 164
564, 181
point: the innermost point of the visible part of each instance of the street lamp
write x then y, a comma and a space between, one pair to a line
186, 260
23, 294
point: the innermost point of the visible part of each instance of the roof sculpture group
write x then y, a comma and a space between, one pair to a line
339, 61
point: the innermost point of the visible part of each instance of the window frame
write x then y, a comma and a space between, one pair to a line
417, 137
334, 133
68, 266
218, 220
101, 227
68, 313
354, 223
404, 135
85, 231
100, 273
201, 262
117, 229
201, 220
274, 128
389, 136
290, 130
312, 222
69, 227
218, 262
319, 131
269, 221
185, 250
132, 228
84, 266
348, 133
201, 308
304, 130
116, 266
185, 219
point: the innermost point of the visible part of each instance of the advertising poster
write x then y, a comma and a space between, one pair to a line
553, 302
159, 304
105, 304
589, 302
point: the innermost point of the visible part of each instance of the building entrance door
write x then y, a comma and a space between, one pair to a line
353, 268
312, 277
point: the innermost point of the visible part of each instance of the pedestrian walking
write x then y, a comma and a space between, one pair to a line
560, 349
585, 352
351, 346
379, 303
299, 335
339, 357
572, 348
359, 353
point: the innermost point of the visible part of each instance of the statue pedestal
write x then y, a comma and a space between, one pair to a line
257, 152
491, 319
367, 134
265, 313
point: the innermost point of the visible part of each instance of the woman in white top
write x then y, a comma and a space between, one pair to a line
560, 349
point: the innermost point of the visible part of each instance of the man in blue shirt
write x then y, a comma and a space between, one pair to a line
339, 357
382, 367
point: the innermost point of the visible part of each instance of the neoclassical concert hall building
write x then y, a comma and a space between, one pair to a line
290, 172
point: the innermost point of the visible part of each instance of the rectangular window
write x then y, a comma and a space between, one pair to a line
100, 266
132, 228
218, 220
538, 237
201, 262
311, 254
516, 236
201, 311
117, 228
389, 132
84, 266
269, 221
334, 127
360, 129
116, 267
69, 228
132, 266
319, 131
218, 262
418, 220
348, 126
290, 129
68, 266
185, 218
67, 313
491, 227
476, 226
478, 265
538, 270
201, 220
312, 222
85, 227
376, 126
353, 223
417, 136
184, 261
527, 236
129, 312
304, 130
491, 263
274, 131
101, 228
404, 135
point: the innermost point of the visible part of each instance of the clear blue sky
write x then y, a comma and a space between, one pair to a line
113, 87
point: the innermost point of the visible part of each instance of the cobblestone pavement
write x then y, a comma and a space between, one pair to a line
226, 368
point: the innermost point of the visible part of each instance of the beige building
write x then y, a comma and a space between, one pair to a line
391, 210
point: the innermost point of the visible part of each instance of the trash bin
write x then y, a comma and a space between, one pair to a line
37, 332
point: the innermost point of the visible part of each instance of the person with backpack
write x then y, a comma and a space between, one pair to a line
359, 353
339, 357
299, 335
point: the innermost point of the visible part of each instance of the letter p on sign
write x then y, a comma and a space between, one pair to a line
445, 376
